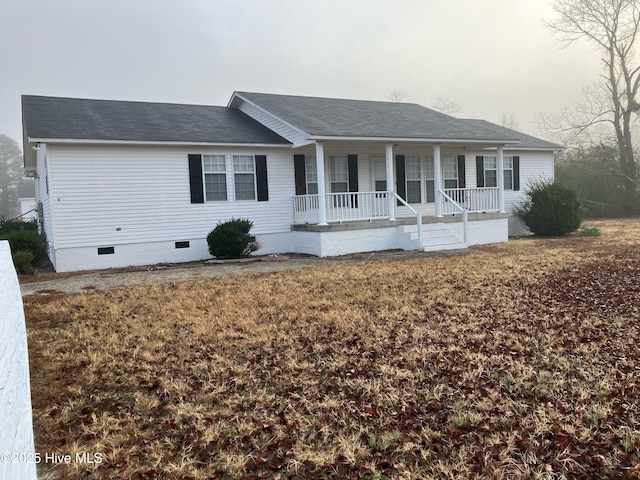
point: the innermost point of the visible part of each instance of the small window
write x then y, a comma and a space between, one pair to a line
244, 173
311, 175
450, 172
182, 244
106, 250
215, 177
339, 174
412, 178
490, 172
508, 173
379, 174
430, 181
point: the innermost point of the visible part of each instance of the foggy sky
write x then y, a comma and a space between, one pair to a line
492, 57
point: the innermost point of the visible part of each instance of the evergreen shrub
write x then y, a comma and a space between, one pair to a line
231, 239
550, 208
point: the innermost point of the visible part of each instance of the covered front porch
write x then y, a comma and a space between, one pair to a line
344, 201
424, 183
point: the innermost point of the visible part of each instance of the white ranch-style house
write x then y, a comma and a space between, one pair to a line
132, 183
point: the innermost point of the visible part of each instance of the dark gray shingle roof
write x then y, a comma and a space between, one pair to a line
81, 119
360, 118
526, 141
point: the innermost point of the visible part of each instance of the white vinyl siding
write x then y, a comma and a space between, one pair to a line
144, 192
43, 197
244, 177
215, 177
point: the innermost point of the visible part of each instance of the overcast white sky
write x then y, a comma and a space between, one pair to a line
490, 56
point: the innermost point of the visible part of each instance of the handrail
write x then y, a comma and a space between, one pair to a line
465, 215
418, 217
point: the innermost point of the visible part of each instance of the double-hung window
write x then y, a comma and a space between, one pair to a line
244, 177
311, 175
215, 177
430, 182
450, 172
491, 172
508, 173
339, 174
412, 177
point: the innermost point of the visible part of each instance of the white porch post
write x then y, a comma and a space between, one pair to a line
437, 179
322, 198
500, 173
388, 150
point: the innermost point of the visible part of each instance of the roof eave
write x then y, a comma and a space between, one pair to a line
92, 141
320, 138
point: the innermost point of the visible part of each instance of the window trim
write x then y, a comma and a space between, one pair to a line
332, 170
253, 173
310, 163
205, 173
407, 159
505, 170
454, 161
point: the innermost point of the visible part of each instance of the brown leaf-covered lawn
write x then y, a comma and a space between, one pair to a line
521, 361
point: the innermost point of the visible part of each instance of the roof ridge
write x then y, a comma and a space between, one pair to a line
314, 97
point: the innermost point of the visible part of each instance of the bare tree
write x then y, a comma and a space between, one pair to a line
509, 121
397, 96
446, 105
612, 26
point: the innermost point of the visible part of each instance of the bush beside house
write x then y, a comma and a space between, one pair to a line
231, 239
28, 248
550, 208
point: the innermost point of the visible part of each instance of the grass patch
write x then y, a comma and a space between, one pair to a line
518, 362
588, 231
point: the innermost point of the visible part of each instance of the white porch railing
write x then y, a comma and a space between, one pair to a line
474, 200
342, 207
459, 208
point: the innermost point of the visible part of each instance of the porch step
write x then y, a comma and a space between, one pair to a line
437, 236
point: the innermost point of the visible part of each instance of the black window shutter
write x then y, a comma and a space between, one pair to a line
401, 178
195, 178
300, 174
353, 172
352, 162
516, 173
261, 178
479, 171
462, 182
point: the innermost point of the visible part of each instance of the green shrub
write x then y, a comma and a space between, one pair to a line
231, 239
7, 226
590, 231
550, 208
24, 261
28, 240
